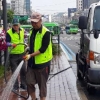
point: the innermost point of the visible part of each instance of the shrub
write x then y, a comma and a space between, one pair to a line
56, 49
1, 71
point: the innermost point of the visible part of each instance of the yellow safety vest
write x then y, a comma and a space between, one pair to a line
16, 39
47, 55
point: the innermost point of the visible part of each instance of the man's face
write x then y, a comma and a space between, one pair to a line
16, 27
36, 25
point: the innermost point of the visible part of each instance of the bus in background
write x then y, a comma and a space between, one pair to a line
53, 27
73, 29
26, 27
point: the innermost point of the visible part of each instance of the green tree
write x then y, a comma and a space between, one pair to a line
10, 14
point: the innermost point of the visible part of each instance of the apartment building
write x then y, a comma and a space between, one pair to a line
0, 4
93, 1
18, 7
8, 6
27, 6
79, 4
86, 4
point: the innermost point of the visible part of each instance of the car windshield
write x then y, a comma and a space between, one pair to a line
96, 19
73, 26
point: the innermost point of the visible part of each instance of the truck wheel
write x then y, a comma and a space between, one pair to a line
79, 75
91, 90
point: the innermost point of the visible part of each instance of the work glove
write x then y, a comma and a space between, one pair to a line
14, 45
27, 57
11, 45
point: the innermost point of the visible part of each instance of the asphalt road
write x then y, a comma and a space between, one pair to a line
72, 41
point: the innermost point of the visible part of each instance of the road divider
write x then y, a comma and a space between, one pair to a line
69, 53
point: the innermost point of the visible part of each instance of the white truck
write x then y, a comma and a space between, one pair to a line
88, 56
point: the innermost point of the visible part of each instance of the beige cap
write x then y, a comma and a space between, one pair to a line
35, 17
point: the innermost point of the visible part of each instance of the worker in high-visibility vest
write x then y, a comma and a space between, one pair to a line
39, 57
14, 36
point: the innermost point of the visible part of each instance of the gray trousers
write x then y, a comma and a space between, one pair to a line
15, 59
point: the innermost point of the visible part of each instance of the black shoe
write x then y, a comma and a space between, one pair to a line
23, 87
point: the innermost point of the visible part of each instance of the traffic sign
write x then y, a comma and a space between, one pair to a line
21, 17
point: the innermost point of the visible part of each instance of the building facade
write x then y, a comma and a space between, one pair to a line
0, 5
8, 6
93, 1
71, 11
27, 6
0, 12
79, 4
86, 4
18, 7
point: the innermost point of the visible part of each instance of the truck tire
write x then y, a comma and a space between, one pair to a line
91, 90
79, 76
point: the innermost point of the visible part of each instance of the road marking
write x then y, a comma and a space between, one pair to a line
73, 45
70, 38
64, 52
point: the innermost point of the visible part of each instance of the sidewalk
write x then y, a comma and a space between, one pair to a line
62, 86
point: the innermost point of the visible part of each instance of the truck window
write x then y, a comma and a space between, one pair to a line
89, 19
96, 19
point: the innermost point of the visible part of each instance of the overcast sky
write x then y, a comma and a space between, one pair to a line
52, 6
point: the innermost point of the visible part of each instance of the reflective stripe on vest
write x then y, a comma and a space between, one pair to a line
16, 39
47, 55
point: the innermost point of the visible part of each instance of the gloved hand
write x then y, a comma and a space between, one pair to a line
14, 45
27, 57
11, 45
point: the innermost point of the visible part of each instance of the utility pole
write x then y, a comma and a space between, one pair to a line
4, 15
4, 4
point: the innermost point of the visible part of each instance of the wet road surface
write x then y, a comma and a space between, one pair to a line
82, 87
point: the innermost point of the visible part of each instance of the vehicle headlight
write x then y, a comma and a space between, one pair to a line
97, 58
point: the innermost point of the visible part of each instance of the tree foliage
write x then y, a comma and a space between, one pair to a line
10, 14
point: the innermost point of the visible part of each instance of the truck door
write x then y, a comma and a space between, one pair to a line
87, 34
